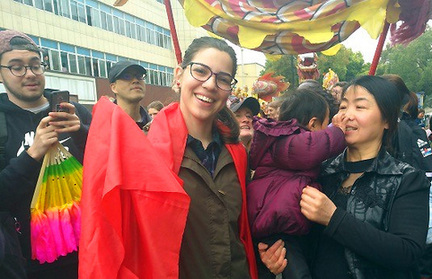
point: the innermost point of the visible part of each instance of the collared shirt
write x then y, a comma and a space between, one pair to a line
145, 117
209, 156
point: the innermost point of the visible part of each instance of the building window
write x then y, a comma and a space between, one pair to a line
74, 10
54, 56
39, 4
62, 57
119, 25
93, 17
81, 13
88, 65
64, 60
133, 30
109, 22
81, 65
97, 14
102, 68
143, 33
65, 8
48, 6
129, 29
73, 68
56, 7
95, 67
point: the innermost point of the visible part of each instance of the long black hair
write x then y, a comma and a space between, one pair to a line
385, 94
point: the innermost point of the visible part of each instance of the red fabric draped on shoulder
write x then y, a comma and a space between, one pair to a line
134, 207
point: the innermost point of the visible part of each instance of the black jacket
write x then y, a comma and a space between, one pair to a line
410, 145
18, 179
384, 228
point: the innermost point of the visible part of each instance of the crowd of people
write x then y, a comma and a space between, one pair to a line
320, 185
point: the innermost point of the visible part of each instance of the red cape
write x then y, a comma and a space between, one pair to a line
134, 208
168, 134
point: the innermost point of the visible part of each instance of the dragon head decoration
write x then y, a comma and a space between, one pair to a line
268, 86
330, 79
307, 67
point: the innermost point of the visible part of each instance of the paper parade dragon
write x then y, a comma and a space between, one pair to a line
307, 67
330, 79
268, 86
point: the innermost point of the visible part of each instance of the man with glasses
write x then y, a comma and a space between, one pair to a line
127, 83
29, 130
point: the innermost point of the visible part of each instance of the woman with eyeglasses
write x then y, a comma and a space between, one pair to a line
199, 139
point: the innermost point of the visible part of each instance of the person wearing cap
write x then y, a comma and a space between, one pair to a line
244, 112
31, 130
127, 83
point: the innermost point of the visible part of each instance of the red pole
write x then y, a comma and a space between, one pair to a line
174, 37
379, 49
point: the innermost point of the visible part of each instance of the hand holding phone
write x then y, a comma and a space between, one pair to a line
58, 97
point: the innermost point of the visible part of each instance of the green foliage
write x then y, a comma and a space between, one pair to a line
413, 63
346, 64
285, 66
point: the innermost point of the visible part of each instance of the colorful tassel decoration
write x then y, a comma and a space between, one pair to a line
55, 211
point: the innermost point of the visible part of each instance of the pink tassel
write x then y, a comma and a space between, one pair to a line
42, 239
75, 215
55, 232
54, 223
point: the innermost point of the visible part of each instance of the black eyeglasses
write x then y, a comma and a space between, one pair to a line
202, 72
21, 70
130, 76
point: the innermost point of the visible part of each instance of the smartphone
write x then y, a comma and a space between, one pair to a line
58, 97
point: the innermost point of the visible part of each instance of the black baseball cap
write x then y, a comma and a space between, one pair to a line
120, 67
250, 103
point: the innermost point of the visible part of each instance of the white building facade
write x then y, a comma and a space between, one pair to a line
82, 39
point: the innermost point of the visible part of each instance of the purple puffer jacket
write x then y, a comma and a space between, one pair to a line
286, 157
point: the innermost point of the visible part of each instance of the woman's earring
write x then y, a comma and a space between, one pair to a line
178, 83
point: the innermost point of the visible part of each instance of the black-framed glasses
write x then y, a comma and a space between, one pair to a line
130, 76
202, 72
21, 70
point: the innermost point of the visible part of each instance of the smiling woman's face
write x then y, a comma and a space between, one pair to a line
244, 118
203, 100
365, 126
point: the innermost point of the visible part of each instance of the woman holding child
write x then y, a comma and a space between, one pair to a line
372, 215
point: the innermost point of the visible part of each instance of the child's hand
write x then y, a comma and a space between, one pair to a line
340, 120
316, 206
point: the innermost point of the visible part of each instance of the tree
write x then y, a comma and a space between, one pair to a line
413, 63
284, 66
346, 64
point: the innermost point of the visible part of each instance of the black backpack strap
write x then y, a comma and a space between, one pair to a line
3, 138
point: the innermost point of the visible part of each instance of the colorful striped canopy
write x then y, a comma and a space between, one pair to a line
289, 27
304, 26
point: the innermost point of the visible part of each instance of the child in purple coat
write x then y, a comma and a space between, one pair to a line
286, 156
